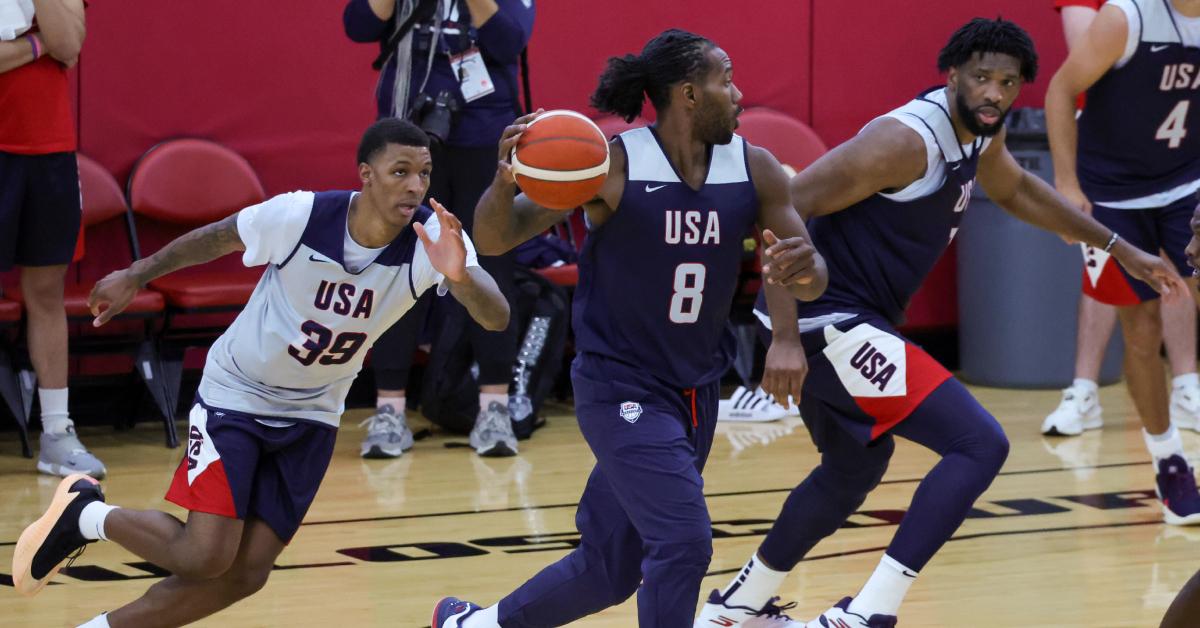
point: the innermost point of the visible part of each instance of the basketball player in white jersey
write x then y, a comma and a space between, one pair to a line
342, 267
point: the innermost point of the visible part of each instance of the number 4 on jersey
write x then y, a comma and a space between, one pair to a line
1174, 128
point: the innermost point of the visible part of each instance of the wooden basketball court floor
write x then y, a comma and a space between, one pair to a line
1068, 535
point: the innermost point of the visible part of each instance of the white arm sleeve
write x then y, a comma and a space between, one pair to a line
424, 274
271, 229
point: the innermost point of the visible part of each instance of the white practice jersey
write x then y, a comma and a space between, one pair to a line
293, 352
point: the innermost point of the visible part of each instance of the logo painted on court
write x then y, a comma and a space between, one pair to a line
631, 411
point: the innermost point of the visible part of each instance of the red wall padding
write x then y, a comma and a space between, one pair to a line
280, 83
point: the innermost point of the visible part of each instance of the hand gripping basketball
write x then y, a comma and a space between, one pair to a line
558, 158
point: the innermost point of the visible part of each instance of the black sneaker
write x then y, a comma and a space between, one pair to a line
54, 538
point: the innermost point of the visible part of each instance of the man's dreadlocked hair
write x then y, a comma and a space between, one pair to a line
672, 56
981, 36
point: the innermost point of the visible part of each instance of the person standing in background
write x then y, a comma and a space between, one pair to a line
451, 67
40, 208
1080, 408
1132, 162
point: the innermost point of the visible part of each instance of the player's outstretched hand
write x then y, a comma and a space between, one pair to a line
111, 295
785, 370
1153, 270
508, 140
449, 254
792, 261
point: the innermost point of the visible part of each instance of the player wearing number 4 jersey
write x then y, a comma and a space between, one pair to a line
657, 278
341, 268
1133, 160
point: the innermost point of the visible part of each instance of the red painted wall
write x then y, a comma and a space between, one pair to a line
280, 84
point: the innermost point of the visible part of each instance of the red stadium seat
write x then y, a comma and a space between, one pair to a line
175, 187
183, 184
791, 141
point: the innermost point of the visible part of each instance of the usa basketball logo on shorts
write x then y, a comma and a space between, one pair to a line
631, 411
886, 376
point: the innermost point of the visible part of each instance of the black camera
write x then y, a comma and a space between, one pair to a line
435, 116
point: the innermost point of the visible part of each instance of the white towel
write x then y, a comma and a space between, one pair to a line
16, 16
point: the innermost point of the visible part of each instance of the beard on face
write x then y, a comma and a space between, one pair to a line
967, 115
714, 125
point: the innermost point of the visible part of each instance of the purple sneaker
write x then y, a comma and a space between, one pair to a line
450, 611
1177, 490
840, 617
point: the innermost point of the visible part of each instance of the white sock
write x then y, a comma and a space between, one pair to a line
1164, 445
99, 621
1086, 385
486, 618
885, 590
486, 399
55, 419
91, 522
754, 585
397, 403
1187, 379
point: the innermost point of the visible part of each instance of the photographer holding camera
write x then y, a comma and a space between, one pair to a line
451, 67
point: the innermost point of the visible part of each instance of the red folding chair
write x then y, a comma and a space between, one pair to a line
175, 187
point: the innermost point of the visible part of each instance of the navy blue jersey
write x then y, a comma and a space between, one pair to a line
657, 279
880, 249
1137, 135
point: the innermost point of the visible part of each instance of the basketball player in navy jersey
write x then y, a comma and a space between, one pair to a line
342, 267
1133, 159
657, 279
883, 207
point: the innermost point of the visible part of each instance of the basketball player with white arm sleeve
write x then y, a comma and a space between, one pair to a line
342, 267
657, 277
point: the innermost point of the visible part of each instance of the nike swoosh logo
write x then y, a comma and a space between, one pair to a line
1157, 48
655, 188
319, 259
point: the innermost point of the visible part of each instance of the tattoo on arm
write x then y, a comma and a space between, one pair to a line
194, 247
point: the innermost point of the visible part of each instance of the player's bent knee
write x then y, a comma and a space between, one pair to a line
246, 582
987, 444
207, 565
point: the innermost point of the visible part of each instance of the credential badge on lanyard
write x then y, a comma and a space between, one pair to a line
473, 77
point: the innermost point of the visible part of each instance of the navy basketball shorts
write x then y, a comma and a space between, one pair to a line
864, 378
236, 467
1151, 230
40, 209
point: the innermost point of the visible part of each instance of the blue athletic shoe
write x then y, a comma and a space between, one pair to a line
451, 611
1177, 490
840, 617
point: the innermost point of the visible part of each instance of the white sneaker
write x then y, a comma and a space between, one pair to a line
754, 406
718, 613
1185, 407
1078, 411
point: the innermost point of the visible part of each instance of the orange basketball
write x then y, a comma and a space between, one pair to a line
561, 160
